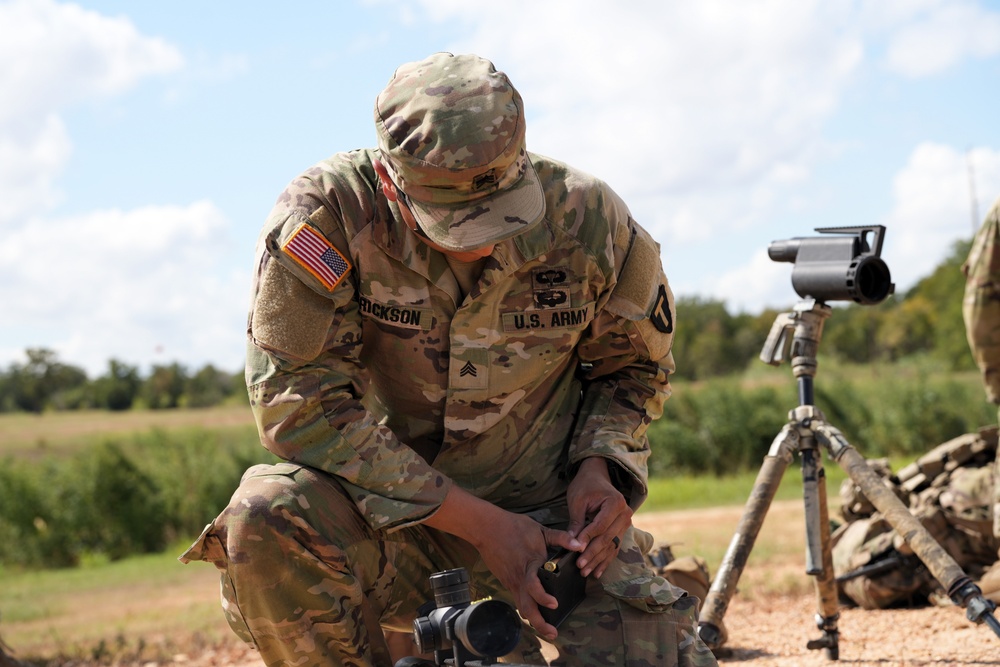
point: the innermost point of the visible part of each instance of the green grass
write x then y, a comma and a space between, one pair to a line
152, 607
695, 491
33, 436
149, 608
138, 609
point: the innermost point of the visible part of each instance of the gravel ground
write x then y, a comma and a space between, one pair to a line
772, 631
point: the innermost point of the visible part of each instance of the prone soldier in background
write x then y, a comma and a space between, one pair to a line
457, 347
949, 489
953, 489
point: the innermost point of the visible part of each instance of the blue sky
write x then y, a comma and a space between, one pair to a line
142, 144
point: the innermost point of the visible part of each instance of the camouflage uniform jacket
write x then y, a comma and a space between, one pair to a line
981, 305
365, 361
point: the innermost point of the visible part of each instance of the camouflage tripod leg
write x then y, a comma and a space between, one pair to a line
795, 437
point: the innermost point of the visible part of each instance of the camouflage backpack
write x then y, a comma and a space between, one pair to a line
950, 490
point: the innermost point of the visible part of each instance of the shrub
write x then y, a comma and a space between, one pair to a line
120, 498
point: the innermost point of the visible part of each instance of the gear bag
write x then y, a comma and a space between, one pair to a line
949, 490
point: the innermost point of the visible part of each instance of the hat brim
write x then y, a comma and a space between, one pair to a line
485, 221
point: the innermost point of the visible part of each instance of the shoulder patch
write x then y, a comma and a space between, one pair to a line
316, 255
661, 317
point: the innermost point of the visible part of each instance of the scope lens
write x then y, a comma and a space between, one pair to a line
490, 628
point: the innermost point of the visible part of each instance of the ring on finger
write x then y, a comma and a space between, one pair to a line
616, 542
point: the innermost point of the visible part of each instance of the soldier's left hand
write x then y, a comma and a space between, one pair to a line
599, 516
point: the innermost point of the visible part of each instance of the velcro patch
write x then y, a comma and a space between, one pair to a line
639, 273
316, 255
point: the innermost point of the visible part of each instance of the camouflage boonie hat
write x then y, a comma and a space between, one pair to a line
451, 133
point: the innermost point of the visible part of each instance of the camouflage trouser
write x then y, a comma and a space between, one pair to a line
308, 582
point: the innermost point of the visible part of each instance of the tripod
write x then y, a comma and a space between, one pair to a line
806, 432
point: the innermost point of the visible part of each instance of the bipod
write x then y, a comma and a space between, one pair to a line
807, 433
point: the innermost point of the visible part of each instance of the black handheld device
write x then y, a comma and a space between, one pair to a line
561, 578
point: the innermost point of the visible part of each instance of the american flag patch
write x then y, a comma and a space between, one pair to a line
317, 256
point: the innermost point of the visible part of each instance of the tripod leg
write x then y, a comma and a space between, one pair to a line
765, 486
819, 558
941, 565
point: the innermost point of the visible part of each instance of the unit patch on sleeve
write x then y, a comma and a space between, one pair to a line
317, 256
660, 315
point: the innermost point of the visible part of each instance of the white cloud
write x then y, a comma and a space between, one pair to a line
140, 286
33, 151
710, 117
933, 206
53, 56
942, 35
700, 114
58, 54
750, 287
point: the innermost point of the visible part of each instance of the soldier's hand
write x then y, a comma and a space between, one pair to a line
513, 547
599, 516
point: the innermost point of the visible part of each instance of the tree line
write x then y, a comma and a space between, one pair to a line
709, 342
44, 382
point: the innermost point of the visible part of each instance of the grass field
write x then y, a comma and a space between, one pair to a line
151, 607
33, 436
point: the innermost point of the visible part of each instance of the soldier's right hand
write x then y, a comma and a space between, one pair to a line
513, 547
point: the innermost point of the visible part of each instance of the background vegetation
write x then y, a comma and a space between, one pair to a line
897, 379
925, 323
104, 481
43, 383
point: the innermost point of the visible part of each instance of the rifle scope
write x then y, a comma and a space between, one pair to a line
487, 628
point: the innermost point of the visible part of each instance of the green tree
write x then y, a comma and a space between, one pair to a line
852, 333
118, 389
209, 386
32, 386
126, 514
945, 288
907, 328
164, 387
709, 341
6, 392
